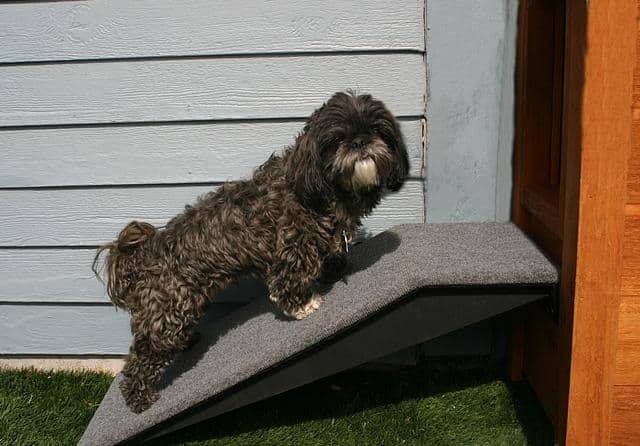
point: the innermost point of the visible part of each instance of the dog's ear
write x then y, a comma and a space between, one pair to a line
305, 172
400, 168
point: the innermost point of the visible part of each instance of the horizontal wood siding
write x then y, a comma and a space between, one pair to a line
98, 29
71, 329
49, 275
63, 275
119, 110
80, 217
195, 89
156, 154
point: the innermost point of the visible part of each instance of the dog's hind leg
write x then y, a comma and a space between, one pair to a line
162, 328
141, 365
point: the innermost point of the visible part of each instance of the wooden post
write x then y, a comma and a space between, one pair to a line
600, 54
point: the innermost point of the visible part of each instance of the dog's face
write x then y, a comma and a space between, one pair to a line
352, 143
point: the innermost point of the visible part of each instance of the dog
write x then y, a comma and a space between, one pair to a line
289, 224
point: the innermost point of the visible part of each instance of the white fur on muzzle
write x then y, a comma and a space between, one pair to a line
365, 174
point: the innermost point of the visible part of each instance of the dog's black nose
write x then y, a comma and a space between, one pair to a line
358, 143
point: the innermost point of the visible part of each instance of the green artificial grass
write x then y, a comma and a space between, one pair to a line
47, 408
416, 406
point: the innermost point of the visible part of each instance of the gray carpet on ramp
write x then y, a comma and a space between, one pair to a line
385, 268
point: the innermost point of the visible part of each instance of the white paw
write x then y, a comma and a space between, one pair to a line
310, 307
314, 302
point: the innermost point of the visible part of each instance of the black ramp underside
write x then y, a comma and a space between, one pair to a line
414, 319
391, 266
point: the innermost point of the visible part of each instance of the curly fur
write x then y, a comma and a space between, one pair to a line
285, 224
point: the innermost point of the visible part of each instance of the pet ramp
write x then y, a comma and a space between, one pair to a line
408, 285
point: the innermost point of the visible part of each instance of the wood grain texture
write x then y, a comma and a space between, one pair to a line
120, 28
631, 254
625, 420
537, 188
633, 176
538, 161
83, 217
157, 154
627, 367
62, 275
625, 400
71, 329
599, 74
194, 89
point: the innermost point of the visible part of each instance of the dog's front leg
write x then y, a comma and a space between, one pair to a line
296, 268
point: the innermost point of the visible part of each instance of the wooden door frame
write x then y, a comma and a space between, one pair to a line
569, 361
600, 57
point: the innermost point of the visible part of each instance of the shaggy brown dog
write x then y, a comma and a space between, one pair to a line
288, 225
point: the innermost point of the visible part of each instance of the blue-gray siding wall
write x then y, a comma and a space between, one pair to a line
114, 110
470, 65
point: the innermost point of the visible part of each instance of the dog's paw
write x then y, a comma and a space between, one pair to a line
137, 397
305, 310
141, 402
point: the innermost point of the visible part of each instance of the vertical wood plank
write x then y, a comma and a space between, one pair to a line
625, 405
537, 185
633, 177
599, 72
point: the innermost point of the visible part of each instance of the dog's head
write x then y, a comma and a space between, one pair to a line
351, 144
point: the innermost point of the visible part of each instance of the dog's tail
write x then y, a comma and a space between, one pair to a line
123, 261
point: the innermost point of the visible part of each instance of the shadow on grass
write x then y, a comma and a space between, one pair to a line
424, 406
534, 421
